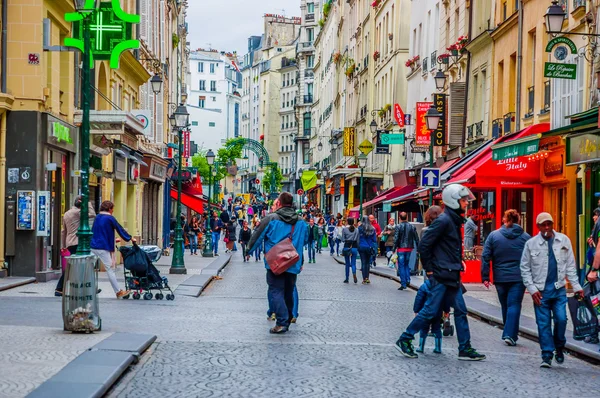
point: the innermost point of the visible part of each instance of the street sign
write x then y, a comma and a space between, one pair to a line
407, 119
300, 192
366, 147
381, 147
392, 139
399, 115
560, 71
430, 178
257, 181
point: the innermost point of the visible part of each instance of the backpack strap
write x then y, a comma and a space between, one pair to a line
292, 233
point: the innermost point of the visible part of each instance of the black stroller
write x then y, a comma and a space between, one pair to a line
141, 276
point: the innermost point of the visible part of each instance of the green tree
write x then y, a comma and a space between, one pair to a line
224, 157
267, 179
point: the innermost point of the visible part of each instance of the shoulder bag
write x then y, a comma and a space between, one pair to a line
283, 255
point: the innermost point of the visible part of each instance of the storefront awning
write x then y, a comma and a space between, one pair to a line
111, 122
515, 148
408, 196
190, 201
388, 195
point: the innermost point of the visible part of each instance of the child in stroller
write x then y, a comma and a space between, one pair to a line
140, 273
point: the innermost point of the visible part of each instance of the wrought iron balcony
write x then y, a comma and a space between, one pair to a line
479, 129
308, 99
546, 108
470, 136
508, 121
310, 17
433, 59
530, 101
497, 128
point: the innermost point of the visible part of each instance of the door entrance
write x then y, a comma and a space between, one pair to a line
522, 201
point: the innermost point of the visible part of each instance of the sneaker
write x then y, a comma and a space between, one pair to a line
546, 363
509, 341
355, 279
406, 348
58, 293
401, 288
278, 330
470, 355
293, 320
345, 280
364, 282
122, 293
273, 317
368, 281
559, 355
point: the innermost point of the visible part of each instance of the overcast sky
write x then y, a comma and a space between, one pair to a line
227, 24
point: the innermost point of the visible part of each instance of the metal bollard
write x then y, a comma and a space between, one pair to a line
80, 308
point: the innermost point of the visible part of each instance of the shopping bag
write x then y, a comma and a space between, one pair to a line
583, 316
64, 253
324, 241
394, 258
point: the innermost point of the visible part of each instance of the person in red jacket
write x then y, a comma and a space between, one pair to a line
375, 225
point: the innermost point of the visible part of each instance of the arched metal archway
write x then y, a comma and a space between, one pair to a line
260, 151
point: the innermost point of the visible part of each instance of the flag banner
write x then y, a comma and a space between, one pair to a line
309, 179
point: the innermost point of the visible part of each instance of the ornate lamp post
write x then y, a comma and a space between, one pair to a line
181, 117
432, 118
208, 244
362, 163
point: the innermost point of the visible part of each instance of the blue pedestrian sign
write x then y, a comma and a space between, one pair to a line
430, 178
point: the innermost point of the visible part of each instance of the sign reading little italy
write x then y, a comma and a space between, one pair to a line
560, 71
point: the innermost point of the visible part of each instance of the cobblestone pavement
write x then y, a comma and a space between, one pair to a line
342, 346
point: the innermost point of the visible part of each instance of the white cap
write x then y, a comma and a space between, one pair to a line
543, 217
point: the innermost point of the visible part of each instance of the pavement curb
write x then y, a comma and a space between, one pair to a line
10, 282
196, 284
95, 371
493, 314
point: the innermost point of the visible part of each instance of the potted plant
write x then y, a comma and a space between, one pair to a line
387, 108
453, 49
462, 40
444, 58
376, 3
376, 55
350, 70
326, 9
412, 62
321, 23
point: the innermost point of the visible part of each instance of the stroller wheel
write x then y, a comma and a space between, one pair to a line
158, 296
136, 295
125, 297
170, 297
147, 296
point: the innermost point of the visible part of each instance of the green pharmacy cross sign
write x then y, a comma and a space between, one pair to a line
110, 31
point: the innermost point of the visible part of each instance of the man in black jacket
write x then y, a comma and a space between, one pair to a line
404, 242
441, 255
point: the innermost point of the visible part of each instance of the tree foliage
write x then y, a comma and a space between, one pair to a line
267, 179
224, 157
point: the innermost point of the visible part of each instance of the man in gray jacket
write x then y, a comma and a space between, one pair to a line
547, 258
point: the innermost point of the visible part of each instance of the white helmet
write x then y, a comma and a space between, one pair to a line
453, 193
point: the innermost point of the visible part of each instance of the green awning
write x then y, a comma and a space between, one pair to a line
521, 147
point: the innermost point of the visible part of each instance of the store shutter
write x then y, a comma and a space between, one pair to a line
144, 23
458, 92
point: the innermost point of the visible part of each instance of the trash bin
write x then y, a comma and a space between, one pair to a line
80, 309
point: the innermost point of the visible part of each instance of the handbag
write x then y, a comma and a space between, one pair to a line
583, 316
283, 255
64, 253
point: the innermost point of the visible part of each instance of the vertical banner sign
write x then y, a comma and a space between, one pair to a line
440, 133
43, 212
186, 143
382, 148
399, 115
349, 137
422, 135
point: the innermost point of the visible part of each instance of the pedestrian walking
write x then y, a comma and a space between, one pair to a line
406, 240
388, 235
470, 229
244, 238
435, 325
282, 224
331, 236
367, 244
230, 234
504, 248
440, 251
215, 228
547, 259
338, 236
377, 227
313, 235
103, 242
321, 230
193, 234
68, 235
350, 238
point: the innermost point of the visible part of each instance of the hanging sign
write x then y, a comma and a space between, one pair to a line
561, 40
422, 134
560, 71
440, 133
399, 115
349, 137
392, 139
382, 148
387, 207
366, 147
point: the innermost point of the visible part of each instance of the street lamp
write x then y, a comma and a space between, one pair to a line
432, 118
181, 117
555, 16
334, 144
440, 80
208, 244
156, 83
373, 126
84, 234
362, 163
172, 121
320, 146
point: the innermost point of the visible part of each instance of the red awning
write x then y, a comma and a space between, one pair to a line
190, 201
483, 169
448, 164
389, 194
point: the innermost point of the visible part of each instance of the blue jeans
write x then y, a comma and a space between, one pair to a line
257, 253
510, 295
365, 261
435, 326
331, 244
434, 302
216, 236
320, 243
337, 246
193, 243
311, 250
351, 262
294, 310
281, 295
554, 307
403, 268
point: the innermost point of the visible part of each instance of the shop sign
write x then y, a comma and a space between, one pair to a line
133, 175
480, 214
366, 147
349, 137
387, 207
61, 135
382, 148
186, 143
120, 168
417, 149
582, 149
440, 132
26, 207
513, 164
560, 71
422, 134
43, 211
392, 139
399, 115
553, 165
516, 150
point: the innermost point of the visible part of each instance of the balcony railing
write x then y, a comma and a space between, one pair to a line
578, 3
479, 129
546, 97
470, 136
366, 62
309, 74
509, 118
433, 58
424, 69
310, 17
308, 99
307, 132
530, 101
285, 62
496, 128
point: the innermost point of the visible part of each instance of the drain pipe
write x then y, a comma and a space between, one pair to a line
519, 63
4, 44
3, 135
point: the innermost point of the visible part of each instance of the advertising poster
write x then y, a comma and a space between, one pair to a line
43, 214
26, 210
422, 134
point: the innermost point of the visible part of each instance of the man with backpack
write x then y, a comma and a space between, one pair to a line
283, 223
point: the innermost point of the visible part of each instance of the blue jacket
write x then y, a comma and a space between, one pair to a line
366, 241
422, 295
103, 232
276, 227
504, 248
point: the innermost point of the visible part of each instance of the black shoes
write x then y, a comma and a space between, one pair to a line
559, 356
546, 363
355, 279
406, 348
345, 280
470, 354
